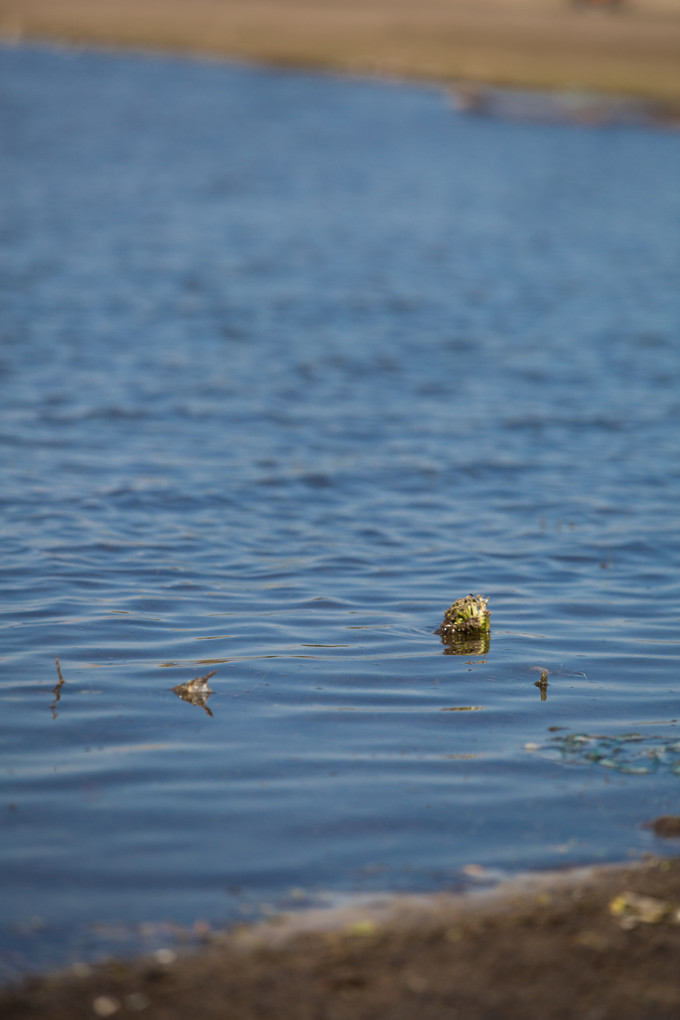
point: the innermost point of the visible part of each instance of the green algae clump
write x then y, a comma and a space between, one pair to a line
468, 619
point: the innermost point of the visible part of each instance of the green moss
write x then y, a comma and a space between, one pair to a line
467, 621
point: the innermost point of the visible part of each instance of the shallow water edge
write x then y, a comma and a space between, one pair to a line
557, 104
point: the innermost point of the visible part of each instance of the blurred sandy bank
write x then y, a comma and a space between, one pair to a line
629, 48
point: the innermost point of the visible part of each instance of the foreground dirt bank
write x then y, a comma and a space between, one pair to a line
592, 944
526, 43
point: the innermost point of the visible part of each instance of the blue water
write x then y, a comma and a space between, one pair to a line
287, 364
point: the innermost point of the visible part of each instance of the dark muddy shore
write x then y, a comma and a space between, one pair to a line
593, 943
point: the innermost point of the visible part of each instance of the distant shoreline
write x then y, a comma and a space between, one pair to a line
537, 45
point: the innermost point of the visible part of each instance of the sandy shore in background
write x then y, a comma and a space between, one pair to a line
594, 944
521, 43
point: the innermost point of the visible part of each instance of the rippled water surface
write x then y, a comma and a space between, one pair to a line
288, 363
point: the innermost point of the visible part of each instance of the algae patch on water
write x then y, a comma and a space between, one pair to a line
631, 753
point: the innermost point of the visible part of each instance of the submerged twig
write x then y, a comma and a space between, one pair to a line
57, 690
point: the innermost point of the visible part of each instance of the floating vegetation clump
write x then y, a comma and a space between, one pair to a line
631, 753
465, 627
196, 691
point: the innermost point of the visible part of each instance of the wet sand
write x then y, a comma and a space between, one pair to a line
592, 944
536, 44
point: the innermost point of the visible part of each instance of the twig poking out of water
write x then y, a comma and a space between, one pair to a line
57, 690
542, 684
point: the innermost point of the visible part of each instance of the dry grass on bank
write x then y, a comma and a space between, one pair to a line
530, 43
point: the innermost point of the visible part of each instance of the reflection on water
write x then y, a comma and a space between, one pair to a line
57, 690
286, 363
467, 645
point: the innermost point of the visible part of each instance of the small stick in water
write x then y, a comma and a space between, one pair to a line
542, 684
57, 690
